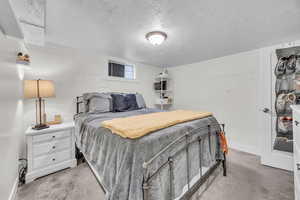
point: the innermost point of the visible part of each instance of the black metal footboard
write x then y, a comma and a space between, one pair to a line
169, 163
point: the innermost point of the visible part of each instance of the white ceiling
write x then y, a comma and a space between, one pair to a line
8, 22
31, 17
197, 29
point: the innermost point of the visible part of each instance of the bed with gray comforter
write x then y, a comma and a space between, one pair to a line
120, 162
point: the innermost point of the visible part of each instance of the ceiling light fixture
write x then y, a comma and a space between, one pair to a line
156, 37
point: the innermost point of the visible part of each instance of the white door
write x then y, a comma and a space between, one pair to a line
271, 155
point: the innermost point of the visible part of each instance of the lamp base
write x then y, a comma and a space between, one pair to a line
40, 126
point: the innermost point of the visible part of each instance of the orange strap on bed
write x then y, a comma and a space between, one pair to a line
223, 141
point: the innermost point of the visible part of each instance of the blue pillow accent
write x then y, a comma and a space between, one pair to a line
123, 103
131, 102
119, 103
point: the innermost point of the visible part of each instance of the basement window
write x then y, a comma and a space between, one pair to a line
121, 70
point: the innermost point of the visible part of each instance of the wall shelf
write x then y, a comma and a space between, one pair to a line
164, 94
163, 91
22, 62
162, 78
23, 59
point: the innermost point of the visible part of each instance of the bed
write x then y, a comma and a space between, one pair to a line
171, 163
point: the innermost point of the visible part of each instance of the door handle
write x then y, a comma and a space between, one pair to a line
296, 123
298, 166
266, 110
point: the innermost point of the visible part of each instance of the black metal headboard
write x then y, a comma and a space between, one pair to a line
79, 101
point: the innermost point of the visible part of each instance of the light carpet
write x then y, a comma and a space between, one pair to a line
246, 180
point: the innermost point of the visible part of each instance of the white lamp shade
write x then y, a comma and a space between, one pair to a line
38, 89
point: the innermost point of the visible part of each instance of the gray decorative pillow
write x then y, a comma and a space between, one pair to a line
97, 102
99, 105
140, 101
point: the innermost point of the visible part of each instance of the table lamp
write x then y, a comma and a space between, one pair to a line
39, 89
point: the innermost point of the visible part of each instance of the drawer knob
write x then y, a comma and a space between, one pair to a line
53, 159
53, 147
298, 166
53, 136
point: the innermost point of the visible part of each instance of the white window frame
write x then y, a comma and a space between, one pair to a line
121, 78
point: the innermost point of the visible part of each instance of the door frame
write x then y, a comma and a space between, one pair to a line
269, 156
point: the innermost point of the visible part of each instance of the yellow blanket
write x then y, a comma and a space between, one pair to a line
140, 125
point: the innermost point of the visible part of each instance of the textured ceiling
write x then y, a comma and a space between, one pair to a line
8, 22
197, 29
31, 17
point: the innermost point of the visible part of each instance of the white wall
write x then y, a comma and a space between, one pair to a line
11, 106
226, 86
75, 72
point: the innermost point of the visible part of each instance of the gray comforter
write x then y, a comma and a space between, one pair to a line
119, 161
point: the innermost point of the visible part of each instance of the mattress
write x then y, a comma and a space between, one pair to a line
119, 161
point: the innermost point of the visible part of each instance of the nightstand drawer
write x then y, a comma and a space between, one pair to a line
51, 146
51, 136
50, 150
45, 161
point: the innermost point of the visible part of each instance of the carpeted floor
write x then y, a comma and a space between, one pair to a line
246, 180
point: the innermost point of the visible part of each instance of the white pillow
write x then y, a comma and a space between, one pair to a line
140, 100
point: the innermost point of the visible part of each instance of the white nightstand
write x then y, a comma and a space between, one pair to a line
50, 150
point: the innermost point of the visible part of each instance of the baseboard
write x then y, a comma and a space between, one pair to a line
14, 190
245, 148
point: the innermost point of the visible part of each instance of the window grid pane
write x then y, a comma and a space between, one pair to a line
129, 75
129, 72
121, 70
